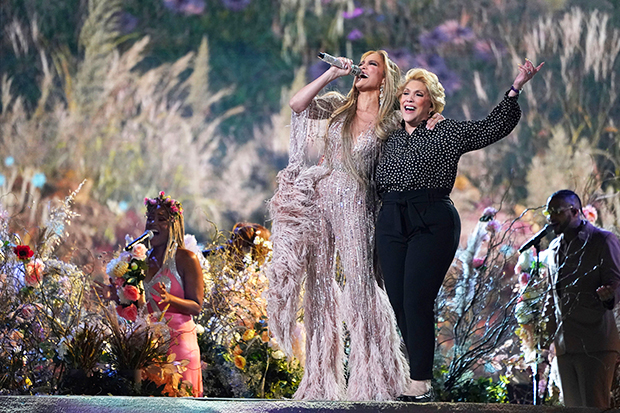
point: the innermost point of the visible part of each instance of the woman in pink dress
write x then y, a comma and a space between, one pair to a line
174, 280
173, 285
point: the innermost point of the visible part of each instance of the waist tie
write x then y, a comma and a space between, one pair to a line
416, 196
408, 219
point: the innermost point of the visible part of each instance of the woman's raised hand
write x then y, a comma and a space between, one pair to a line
347, 65
527, 71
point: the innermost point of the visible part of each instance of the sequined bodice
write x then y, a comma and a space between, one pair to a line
169, 276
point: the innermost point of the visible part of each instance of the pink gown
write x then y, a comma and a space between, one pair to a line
321, 214
184, 341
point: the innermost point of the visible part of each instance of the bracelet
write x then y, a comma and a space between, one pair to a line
517, 91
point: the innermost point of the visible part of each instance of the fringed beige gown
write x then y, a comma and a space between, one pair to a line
321, 211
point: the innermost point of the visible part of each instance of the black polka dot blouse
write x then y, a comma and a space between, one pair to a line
428, 159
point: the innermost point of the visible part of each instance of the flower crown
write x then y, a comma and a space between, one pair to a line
174, 207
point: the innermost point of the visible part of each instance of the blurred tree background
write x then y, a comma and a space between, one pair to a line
189, 97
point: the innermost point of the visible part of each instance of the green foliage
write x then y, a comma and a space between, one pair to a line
480, 390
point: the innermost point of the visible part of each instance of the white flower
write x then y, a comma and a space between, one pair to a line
247, 259
62, 348
278, 355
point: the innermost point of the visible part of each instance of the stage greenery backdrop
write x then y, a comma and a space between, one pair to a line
190, 97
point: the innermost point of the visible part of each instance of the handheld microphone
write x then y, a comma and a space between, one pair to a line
355, 69
535, 240
148, 234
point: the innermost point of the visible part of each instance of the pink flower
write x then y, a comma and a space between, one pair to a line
162, 193
358, 11
590, 213
34, 272
524, 278
494, 226
128, 313
131, 292
139, 252
118, 282
478, 262
28, 311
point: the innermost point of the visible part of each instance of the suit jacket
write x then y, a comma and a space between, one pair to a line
581, 322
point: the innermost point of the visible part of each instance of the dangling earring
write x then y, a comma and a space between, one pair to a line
381, 95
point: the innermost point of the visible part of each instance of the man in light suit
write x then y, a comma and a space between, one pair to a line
584, 279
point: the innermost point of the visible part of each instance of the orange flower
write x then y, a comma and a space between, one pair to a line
240, 362
129, 313
237, 350
248, 335
265, 336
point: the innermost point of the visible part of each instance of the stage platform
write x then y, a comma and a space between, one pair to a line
118, 404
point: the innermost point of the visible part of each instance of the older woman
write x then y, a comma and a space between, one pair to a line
418, 228
323, 219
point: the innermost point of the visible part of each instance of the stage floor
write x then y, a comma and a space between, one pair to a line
117, 404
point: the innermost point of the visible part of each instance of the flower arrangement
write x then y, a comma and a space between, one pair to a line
127, 272
531, 287
242, 359
268, 372
167, 374
175, 207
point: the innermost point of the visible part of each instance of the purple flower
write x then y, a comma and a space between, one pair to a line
402, 57
354, 35
186, 7
449, 32
485, 49
430, 40
455, 33
128, 23
236, 5
436, 64
494, 226
358, 11
316, 70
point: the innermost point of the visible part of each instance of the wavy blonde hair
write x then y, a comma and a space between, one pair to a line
435, 89
385, 118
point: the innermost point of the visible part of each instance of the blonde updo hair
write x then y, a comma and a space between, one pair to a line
435, 89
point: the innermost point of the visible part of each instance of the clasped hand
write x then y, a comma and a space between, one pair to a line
605, 292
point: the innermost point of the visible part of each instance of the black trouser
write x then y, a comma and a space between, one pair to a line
417, 236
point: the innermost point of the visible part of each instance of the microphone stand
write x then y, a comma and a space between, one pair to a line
536, 400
